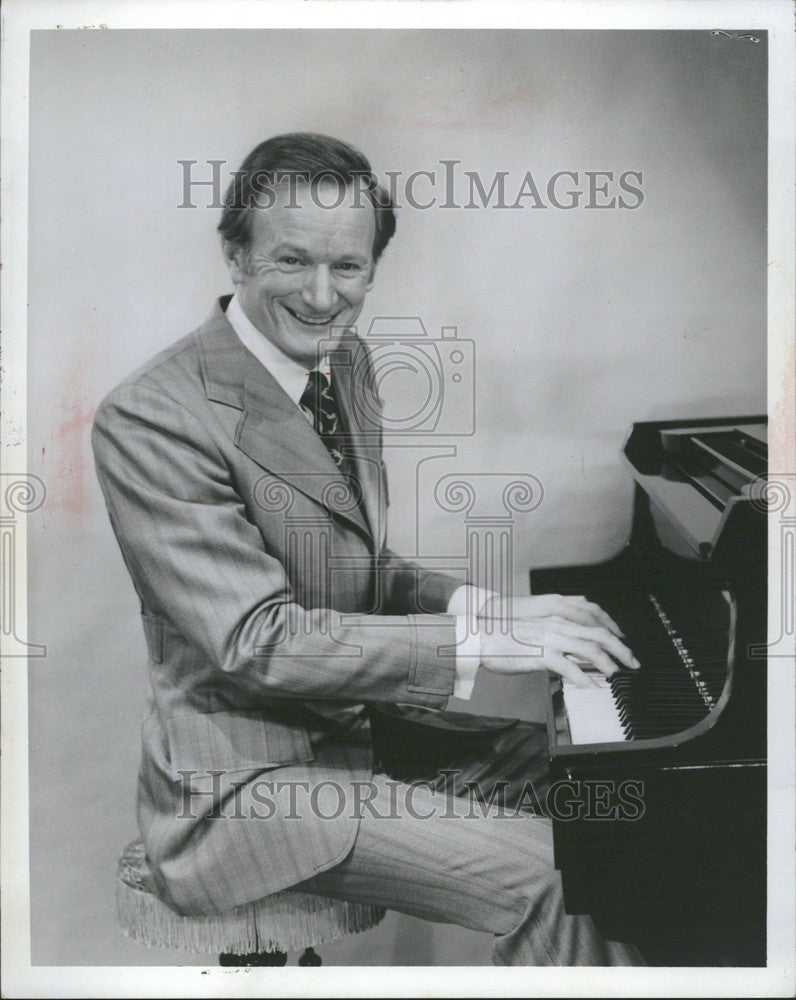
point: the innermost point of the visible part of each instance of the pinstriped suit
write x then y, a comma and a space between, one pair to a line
222, 497
258, 661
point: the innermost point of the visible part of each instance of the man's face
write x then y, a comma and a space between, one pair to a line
308, 269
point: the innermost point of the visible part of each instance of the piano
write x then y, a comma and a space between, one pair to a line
658, 777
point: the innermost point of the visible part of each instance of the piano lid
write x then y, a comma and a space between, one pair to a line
699, 472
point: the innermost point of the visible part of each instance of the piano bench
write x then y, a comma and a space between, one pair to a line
256, 934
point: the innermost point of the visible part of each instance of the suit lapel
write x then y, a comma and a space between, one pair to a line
272, 430
360, 413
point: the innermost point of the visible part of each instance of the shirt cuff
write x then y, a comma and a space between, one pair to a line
468, 657
468, 600
465, 602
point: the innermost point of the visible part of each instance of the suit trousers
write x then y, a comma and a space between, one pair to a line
451, 832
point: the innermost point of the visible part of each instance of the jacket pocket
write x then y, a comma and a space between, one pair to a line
241, 740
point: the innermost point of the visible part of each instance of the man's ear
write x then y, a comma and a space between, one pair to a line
372, 277
235, 257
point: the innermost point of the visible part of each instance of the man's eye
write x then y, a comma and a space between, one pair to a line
290, 261
348, 265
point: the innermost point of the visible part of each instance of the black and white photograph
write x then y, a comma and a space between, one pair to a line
399, 499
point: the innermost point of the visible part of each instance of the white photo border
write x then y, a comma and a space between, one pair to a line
18, 20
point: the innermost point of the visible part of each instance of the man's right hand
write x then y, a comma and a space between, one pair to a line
554, 644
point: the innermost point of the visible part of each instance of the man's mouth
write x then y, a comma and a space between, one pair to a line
310, 320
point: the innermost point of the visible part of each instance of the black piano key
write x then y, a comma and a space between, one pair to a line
683, 668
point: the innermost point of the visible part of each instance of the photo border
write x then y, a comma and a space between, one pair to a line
18, 19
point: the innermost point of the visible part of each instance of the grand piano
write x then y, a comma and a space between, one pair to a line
660, 819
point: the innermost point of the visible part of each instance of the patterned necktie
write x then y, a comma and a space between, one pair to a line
318, 399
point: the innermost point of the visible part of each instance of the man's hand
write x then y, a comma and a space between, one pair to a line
577, 610
554, 643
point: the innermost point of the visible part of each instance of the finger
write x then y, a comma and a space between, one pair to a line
596, 616
590, 651
568, 670
618, 649
604, 619
609, 642
570, 610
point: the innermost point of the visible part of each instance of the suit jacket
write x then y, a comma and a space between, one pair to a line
272, 613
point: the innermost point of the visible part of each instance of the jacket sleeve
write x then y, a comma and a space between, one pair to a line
407, 587
196, 559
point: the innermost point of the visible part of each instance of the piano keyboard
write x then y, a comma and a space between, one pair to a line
682, 673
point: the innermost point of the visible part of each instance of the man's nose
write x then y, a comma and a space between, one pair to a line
319, 291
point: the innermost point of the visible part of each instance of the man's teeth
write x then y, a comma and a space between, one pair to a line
312, 320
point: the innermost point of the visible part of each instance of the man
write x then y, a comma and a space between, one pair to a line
244, 481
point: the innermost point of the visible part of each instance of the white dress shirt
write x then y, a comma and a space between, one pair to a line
466, 601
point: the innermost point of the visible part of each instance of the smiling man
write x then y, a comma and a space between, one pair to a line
306, 266
285, 640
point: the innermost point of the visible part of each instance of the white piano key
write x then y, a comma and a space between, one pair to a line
593, 715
